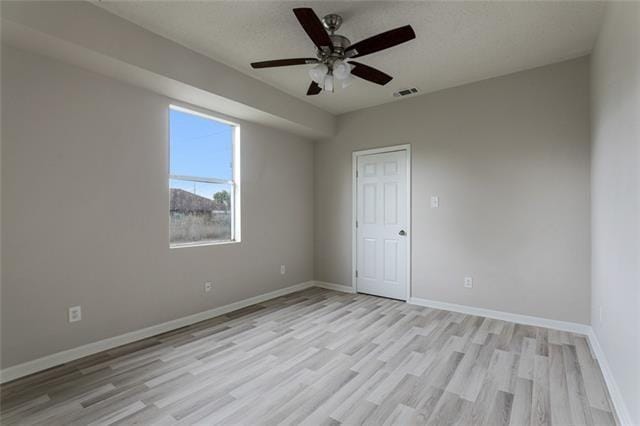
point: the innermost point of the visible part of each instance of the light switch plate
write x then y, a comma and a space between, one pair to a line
75, 313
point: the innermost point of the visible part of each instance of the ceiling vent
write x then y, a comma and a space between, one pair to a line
405, 92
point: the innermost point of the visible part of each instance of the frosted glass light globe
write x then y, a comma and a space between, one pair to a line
347, 81
341, 70
328, 83
318, 73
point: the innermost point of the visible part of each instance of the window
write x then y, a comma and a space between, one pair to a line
203, 179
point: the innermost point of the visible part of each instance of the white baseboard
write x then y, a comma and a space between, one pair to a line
333, 286
614, 391
59, 358
505, 316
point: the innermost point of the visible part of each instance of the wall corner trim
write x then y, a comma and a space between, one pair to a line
56, 359
504, 316
624, 417
332, 286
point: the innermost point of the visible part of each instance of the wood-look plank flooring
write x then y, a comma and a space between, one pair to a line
320, 357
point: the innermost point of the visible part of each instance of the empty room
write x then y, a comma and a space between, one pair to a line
326, 212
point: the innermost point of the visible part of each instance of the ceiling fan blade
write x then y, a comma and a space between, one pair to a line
314, 89
370, 74
284, 62
381, 41
313, 26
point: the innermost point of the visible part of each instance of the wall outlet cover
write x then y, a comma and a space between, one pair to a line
75, 313
468, 282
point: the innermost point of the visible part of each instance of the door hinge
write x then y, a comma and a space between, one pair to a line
356, 223
356, 174
356, 273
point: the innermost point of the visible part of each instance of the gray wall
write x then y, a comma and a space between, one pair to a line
93, 38
85, 220
509, 158
616, 197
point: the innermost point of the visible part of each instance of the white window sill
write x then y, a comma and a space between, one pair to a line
203, 244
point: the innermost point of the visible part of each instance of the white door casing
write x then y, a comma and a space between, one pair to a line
381, 220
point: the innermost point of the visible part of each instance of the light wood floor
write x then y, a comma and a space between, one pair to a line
321, 357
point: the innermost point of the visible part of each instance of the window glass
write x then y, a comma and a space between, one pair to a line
202, 184
200, 146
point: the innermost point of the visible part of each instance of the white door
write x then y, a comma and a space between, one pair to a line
381, 224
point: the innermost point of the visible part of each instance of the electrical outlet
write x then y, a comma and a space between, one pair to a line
283, 269
75, 313
468, 282
435, 202
207, 286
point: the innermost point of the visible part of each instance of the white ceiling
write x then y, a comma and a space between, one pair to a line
457, 42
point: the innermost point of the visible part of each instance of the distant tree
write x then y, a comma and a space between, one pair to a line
222, 197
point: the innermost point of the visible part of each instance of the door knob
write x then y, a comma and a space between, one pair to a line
402, 233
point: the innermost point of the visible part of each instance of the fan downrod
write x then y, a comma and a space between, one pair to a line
332, 22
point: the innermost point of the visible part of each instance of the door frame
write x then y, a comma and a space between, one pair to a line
354, 209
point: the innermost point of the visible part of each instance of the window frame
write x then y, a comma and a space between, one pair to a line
235, 204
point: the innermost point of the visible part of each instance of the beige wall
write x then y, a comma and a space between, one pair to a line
616, 197
509, 159
85, 221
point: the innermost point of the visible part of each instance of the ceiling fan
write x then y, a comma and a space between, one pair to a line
334, 50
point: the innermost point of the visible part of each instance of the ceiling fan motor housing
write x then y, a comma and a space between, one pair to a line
340, 43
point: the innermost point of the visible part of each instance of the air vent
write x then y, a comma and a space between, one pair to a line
405, 92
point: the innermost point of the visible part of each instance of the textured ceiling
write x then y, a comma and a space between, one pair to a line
457, 42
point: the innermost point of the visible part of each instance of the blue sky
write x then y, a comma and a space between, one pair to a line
199, 147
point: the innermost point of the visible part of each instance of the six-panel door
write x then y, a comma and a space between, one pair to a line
381, 220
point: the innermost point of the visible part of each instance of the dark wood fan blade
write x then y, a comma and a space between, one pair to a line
370, 74
313, 26
381, 41
284, 62
314, 89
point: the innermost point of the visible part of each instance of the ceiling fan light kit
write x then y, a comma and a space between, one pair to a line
318, 72
325, 76
347, 81
334, 50
341, 69
328, 83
